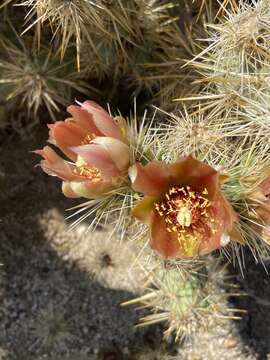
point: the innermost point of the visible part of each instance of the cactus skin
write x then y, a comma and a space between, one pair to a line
186, 301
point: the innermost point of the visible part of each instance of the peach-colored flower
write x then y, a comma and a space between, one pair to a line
183, 206
262, 196
96, 145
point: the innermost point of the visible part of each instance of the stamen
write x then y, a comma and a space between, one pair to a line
88, 172
87, 140
186, 212
85, 170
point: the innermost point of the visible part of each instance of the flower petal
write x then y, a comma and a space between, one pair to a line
156, 177
102, 120
91, 189
84, 119
143, 209
211, 237
207, 247
54, 165
161, 240
226, 214
263, 211
119, 152
151, 179
97, 156
264, 186
189, 171
67, 191
224, 218
66, 135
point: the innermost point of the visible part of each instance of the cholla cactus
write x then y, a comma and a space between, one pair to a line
233, 117
191, 207
205, 176
136, 41
185, 302
235, 65
213, 8
134, 23
158, 67
71, 20
199, 134
35, 79
248, 189
184, 204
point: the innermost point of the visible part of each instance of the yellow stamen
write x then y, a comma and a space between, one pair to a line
187, 213
85, 170
87, 140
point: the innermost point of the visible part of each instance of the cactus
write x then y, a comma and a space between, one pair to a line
177, 183
35, 80
185, 301
235, 67
144, 37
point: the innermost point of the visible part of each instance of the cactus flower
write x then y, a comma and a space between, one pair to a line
262, 196
96, 148
183, 206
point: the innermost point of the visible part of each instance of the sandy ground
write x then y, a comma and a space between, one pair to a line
61, 291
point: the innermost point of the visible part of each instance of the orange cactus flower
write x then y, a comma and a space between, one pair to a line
183, 206
95, 145
262, 196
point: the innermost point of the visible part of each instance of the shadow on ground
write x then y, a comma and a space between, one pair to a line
49, 306
254, 328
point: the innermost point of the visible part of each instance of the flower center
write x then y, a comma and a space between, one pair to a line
187, 213
85, 170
